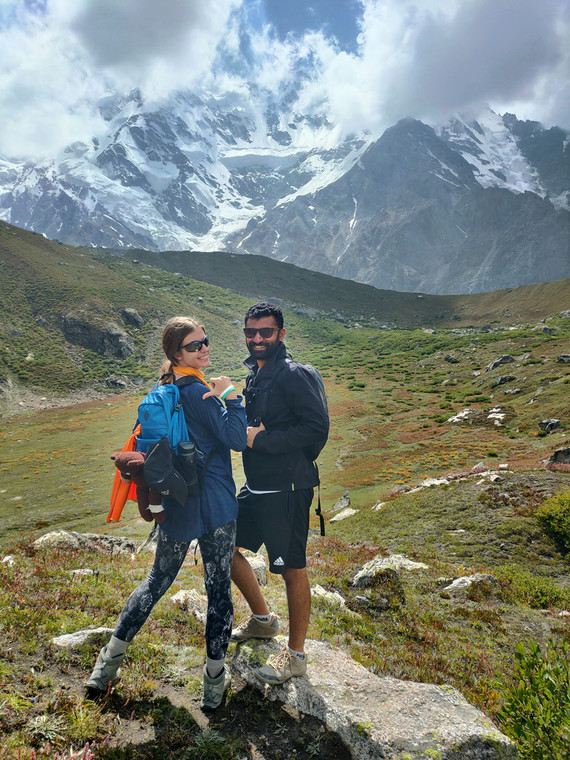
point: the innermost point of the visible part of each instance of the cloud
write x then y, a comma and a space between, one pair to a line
423, 58
489, 50
432, 59
60, 56
48, 95
165, 44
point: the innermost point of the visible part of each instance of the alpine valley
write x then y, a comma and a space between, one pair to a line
466, 207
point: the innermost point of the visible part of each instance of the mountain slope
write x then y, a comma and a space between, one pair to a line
469, 207
411, 215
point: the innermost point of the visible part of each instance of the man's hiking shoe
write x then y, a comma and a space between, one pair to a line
214, 689
256, 629
107, 671
281, 667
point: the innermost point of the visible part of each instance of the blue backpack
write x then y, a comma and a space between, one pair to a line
161, 414
170, 464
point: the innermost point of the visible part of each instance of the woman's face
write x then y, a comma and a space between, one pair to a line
199, 359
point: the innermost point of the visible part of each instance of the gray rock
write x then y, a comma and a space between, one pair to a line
92, 542
461, 585
342, 503
379, 718
84, 572
550, 425
504, 359
97, 334
132, 317
259, 566
382, 590
331, 597
348, 512
505, 379
564, 359
561, 456
73, 640
113, 381
374, 566
195, 603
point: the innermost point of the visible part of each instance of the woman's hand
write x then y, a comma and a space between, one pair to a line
219, 385
252, 432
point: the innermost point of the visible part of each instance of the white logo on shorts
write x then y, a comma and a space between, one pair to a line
279, 561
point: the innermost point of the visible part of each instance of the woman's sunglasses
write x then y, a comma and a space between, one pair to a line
265, 332
195, 345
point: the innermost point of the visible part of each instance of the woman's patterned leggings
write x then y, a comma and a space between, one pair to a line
217, 549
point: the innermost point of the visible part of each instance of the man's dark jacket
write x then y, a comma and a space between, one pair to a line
283, 395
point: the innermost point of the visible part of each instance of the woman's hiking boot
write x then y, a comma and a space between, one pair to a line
107, 671
215, 688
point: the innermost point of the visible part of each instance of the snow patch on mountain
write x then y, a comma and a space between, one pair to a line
490, 148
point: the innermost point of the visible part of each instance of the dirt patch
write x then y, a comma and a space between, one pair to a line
171, 715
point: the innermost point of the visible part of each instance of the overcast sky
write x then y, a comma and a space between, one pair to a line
375, 61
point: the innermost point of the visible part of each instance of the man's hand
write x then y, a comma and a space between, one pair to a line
252, 432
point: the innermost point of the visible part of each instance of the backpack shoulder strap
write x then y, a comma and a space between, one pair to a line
190, 380
186, 380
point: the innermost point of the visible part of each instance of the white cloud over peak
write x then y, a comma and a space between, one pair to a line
423, 58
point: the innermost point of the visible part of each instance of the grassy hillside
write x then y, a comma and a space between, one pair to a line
258, 276
391, 394
45, 283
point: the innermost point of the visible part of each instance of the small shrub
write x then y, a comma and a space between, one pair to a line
535, 591
212, 745
554, 518
536, 712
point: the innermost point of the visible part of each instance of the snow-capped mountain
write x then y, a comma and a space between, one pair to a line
468, 206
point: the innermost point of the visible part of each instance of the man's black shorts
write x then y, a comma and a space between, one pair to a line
278, 520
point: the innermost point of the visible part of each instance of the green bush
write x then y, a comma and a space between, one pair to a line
535, 591
536, 712
554, 518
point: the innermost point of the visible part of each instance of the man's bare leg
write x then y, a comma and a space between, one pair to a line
299, 601
245, 579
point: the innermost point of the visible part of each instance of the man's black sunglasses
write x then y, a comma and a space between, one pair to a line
265, 332
195, 345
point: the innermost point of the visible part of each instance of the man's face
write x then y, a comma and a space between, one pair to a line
261, 347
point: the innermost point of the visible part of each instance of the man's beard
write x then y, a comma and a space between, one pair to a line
267, 353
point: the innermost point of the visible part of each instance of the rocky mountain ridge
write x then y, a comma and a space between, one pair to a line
467, 207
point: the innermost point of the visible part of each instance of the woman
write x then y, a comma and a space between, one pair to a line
210, 516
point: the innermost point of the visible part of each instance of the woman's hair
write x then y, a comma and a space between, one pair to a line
175, 330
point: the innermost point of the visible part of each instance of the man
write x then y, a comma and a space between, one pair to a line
285, 415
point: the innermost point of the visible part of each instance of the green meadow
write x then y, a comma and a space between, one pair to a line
392, 390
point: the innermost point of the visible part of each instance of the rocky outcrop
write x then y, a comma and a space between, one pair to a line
379, 718
460, 586
132, 317
97, 334
550, 425
561, 456
505, 359
92, 542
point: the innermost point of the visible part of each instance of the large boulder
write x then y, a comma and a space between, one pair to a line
97, 334
379, 717
504, 359
561, 456
92, 542
550, 425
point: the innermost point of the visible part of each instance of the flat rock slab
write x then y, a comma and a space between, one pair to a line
379, 718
